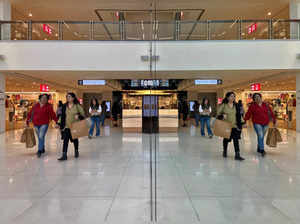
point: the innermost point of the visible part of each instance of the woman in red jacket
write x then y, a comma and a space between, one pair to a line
261, 114
40, 115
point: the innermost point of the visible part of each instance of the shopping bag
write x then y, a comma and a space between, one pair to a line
29, 138
278, 135
23, 136
222, 128
271, 138
81, 128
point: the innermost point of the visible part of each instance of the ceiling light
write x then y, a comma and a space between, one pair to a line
30, 14
269, 13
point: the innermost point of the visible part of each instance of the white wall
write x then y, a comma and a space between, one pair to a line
126, 56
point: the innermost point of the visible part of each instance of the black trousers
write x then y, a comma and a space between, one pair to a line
68, 137
235, 136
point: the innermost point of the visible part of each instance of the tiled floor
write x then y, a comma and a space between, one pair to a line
110, 182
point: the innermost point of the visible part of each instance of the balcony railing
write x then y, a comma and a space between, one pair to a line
157, 30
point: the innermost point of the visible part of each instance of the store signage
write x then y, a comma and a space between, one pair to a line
47, 29
208, 82
149, 83
44, 88
220, 100
252, 28
255, 87
91, 82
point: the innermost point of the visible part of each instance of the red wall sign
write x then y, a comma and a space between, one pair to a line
252, 28
44, 88
220, 100
256, 87
47, 29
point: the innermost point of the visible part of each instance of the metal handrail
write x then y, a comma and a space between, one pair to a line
269, 29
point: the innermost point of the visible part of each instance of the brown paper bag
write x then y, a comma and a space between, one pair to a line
271, 138
80, 128
28, 137
23, 137
278, 135
222, 128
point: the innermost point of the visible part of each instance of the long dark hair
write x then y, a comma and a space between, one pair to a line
73, 95
97, 103
203, 103
225, 100
60, 103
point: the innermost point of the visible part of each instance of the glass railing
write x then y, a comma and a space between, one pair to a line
173, 30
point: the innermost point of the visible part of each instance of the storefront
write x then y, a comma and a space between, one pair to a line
18, 104
150, 110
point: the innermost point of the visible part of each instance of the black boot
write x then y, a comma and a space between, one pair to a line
63, 157
238, 157
76, 153
225, 153
263, 152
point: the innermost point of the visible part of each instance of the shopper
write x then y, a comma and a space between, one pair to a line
95, 112
196, 112
261, 114
230, 112
71, 112
185, 112
103, 112
241, 106
59, 109
40, 115
115, 112
205, 112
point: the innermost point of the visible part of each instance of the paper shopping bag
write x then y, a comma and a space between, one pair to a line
222, 128
80, 128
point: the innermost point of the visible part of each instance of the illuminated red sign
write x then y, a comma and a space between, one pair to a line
47, 29
252, 28
256, 87
44, 88
220, 100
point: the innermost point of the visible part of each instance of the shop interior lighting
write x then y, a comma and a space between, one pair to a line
30, 14
269, 13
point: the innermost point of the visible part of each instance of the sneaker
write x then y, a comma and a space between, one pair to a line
63, 158
90, 137
263, 153
210, 136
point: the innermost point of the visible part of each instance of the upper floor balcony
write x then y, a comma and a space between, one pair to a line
151, 30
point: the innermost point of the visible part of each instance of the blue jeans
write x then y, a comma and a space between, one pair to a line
102, 119
261, 131
41, 133
197, 117
205, 121
95, 121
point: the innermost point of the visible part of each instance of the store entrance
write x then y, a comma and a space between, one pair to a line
150, 113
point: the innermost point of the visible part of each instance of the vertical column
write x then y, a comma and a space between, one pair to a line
298, 103
5, 14
2, 103
295, 14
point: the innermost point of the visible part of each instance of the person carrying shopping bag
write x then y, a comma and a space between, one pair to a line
261, 115
205, 111
95, 112
71, 113
41, 115
229, 111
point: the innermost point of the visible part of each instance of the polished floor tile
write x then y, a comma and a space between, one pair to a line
110, 182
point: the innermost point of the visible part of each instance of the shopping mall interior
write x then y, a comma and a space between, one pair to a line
146, 61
